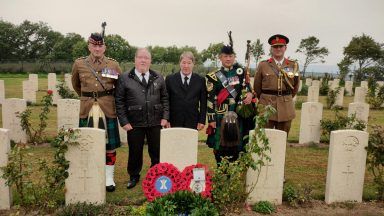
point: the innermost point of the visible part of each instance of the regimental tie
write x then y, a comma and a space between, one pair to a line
186, 82
143, 80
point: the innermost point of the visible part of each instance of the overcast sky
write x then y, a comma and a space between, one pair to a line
200, 22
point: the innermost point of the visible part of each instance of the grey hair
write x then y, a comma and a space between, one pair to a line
143, 49
187, 54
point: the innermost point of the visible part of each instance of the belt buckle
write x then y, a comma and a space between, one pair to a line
95, 94
279, 93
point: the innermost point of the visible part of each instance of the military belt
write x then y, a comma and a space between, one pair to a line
98, 93
278, 93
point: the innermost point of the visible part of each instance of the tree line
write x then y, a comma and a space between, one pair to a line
38, 41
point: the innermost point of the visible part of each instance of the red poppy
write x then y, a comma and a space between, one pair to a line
161, 170
49, 92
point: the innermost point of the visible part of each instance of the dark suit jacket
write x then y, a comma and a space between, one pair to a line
188, 106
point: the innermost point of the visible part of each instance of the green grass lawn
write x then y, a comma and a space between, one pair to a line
304, 165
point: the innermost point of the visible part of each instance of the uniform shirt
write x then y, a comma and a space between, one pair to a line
83, 80
266, 79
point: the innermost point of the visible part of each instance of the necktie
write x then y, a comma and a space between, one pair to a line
143, 80
186, 81
279, 64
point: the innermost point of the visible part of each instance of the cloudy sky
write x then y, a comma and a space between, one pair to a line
200, 22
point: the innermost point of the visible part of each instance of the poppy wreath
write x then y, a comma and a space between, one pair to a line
161, 179
187, 175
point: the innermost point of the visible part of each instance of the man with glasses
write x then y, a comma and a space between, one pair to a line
277, 82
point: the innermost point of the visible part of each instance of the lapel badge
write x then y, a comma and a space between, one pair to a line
239, 71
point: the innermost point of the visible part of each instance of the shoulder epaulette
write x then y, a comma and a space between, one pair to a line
83, 57
212, 75
111, 59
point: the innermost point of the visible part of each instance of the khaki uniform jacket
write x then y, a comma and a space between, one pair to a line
267, 79
83, 80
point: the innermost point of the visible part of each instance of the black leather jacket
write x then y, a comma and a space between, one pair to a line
139, 105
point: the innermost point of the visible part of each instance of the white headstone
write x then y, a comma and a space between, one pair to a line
316, 83
34, 78
346, 166
68, 113
179, 146
335, 84
52, 82
340, 98
86, 181
300, 85
10, 109
68, 81
5, 191
360, 93
361, 110
123, 135
29, 92
364, 84
348, 88
2, 92
252, 80
313, 94
308, 81
269, 185
310, 129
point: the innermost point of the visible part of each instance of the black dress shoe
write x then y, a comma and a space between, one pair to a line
132, 183
110, 188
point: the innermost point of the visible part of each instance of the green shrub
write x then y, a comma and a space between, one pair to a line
304, 90
298, 196
338, 123
331, 97
324, 88
299, 104
65, 92
181, 202
375, 158
264, 207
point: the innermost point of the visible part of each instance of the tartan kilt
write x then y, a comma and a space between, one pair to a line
112, 130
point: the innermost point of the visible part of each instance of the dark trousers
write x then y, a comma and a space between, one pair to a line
284, 126
136, 138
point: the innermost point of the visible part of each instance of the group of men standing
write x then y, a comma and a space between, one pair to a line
144, 103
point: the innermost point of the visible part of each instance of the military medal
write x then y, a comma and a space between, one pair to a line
109, 73
234, 80
239, 71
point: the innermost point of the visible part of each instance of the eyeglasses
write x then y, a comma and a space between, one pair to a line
278, 46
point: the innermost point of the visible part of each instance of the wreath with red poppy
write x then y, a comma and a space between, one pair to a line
162, 172
187, 175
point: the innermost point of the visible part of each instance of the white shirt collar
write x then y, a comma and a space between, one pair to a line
182, 76
138, 74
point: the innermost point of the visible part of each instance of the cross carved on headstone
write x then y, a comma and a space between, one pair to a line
84, 178
348, 173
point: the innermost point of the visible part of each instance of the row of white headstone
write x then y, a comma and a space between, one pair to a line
30, 87
86, 181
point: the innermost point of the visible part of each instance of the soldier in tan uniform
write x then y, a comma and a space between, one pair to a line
276, 83
94, 78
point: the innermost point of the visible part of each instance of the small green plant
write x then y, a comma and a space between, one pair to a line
264, 207
65, 92
304, 90
299, 104
298, 196
340, 122
324, 87
84, 209
35, 134
228, 181
181, 202
45, 192
375, 158
290, 194
331, 98
375, 96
